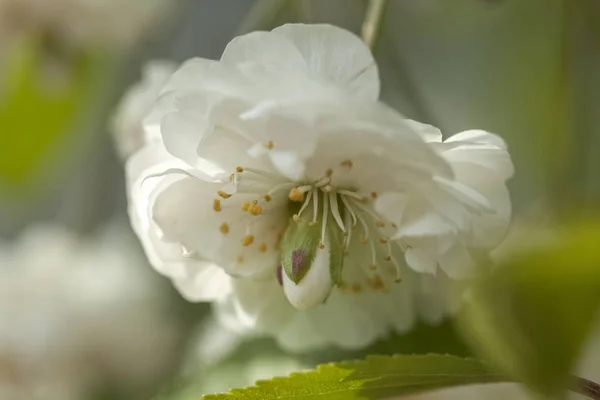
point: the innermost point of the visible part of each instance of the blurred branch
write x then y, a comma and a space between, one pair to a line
372, 23
587, 388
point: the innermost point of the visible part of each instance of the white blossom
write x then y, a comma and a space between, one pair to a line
127, 128
279, 167
104, 23
77, 315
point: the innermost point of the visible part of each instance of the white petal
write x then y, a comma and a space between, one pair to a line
336, 55
185, 213
203, 281
181, 135
263, 48
420, 261
429, 133
457, 262
478, 136
392, 206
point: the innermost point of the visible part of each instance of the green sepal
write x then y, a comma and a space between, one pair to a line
337, 251
299, 236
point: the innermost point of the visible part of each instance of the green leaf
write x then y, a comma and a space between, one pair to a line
532, 315
299, 248
376, 377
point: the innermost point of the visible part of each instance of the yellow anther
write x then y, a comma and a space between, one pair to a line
267, 197
363, 240
321, 245
217, 205
383, 241
374, 195
379, 224
377, 283
263, 248
256, 210
245, 206
356, 287
328, 172
296, 194
224, 228
231, 177
347, 163
372, 267
223, 194
248, 240
239, 169
388, 258
270, 145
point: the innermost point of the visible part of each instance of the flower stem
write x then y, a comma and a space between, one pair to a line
372, 23
586, 388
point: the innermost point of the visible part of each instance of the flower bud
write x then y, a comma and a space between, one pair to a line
315, 285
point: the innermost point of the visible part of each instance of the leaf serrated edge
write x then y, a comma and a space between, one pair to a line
349, 364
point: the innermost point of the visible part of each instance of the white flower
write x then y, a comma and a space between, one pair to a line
127, 127
78, 314
283, 169
104, 23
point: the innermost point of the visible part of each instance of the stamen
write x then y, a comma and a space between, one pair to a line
224, 228
351, 194
267, 197
248, 240
356, 287
315, 205
239, 170
374, 195
270, 145
376, 283
263, 248
324, 223
365, 226
296, 195
373, 253
349, 232
245, 206
383, 241
256, 210
349, 208
372, 267
277, 188
335, 210
217, 205
322, 182
347, 163
265, 174
306, 203
240, 259
223, 194
328, 172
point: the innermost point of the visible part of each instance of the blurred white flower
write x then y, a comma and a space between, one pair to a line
78, 315
127, 127
105, 23
279, 165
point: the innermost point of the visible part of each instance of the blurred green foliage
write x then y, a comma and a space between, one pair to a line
532, 315
39, 108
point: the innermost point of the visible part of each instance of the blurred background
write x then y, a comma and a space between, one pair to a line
528, 70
